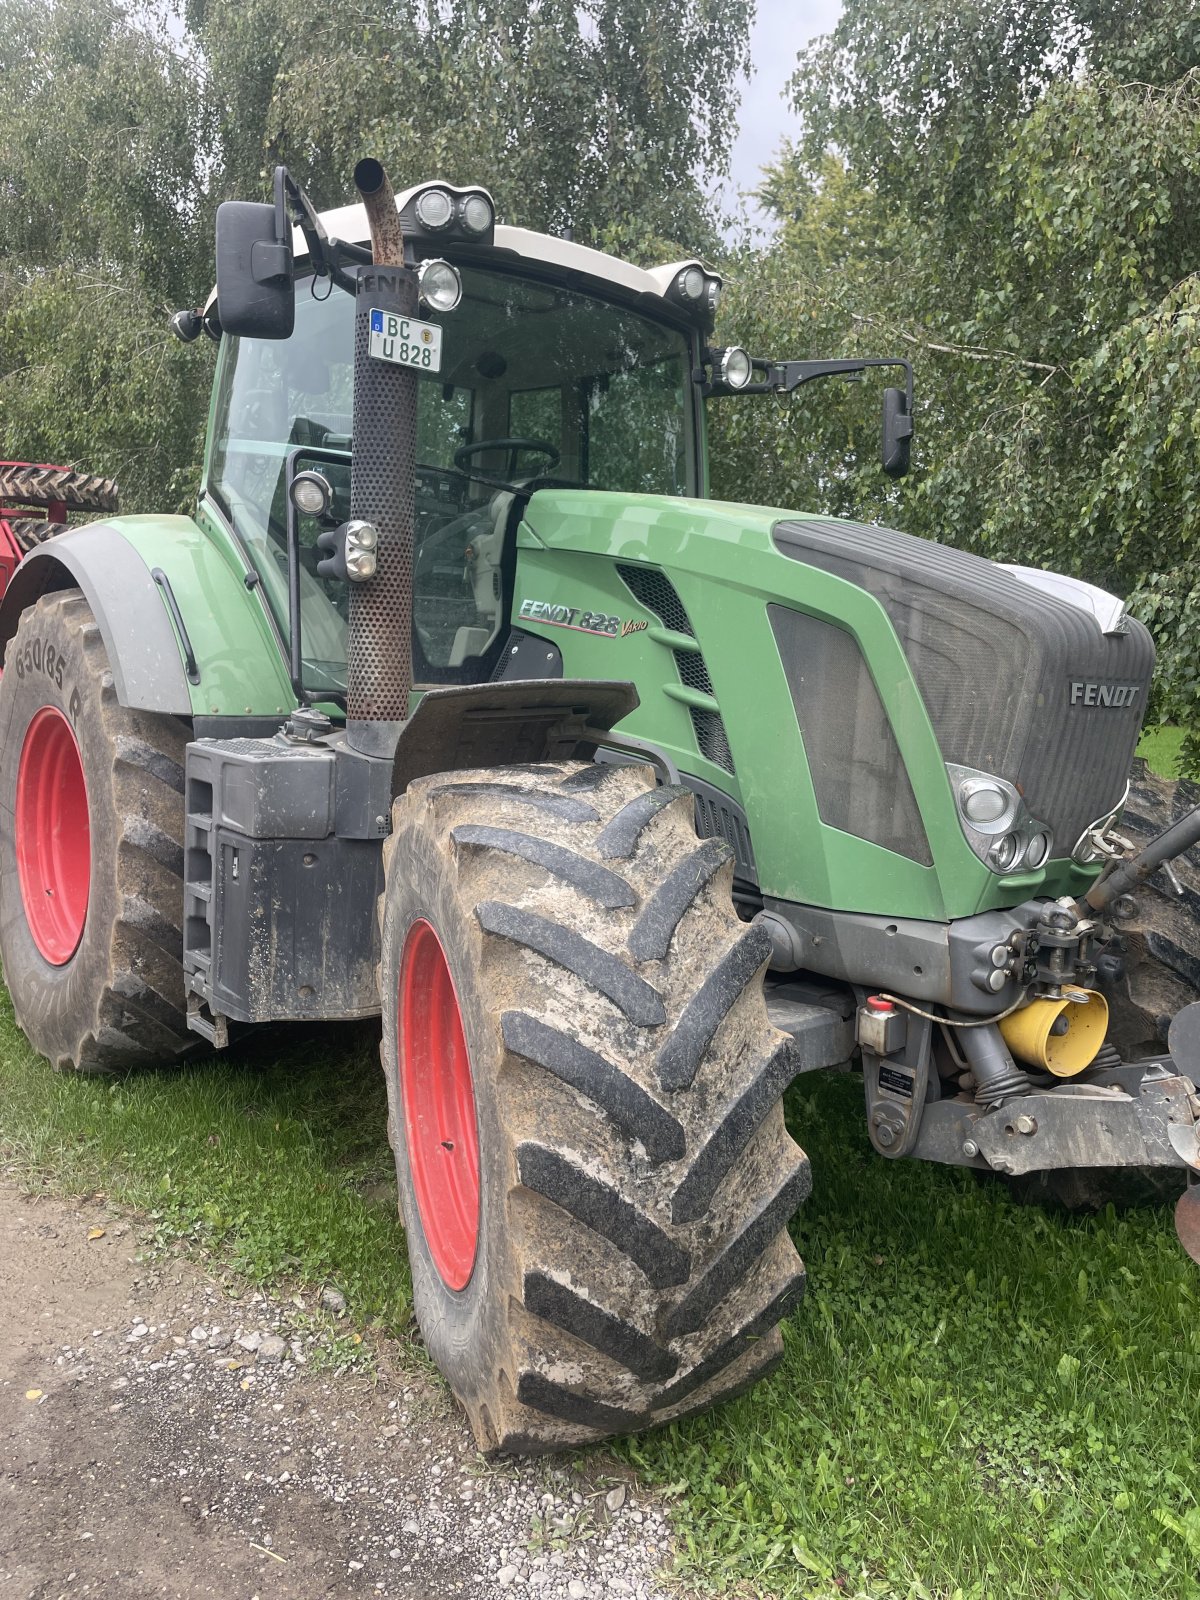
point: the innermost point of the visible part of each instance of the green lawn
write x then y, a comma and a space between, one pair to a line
1161, 748
978, 1398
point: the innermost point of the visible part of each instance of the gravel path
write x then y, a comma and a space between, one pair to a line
158, 1437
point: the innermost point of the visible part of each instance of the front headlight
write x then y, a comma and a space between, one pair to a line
439, 284
435, 209
984, 802
997, 823
475, 214
734, 367
1003, 854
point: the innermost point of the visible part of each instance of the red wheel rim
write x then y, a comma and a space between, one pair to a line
439, 1107
54, 841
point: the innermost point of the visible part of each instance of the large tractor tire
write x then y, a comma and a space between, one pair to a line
585, 1105
1160, 948
91, 851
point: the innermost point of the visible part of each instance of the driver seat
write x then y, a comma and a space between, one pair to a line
485, 558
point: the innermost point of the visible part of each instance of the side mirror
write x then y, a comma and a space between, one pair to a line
897, 433
256, 291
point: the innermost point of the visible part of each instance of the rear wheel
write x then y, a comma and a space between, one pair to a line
91, 851
585, 1103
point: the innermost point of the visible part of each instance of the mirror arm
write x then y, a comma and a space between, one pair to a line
327, 254
784, 376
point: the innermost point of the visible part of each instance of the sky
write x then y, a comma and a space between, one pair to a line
781, 29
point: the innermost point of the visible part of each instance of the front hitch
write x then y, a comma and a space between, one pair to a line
1138, 1114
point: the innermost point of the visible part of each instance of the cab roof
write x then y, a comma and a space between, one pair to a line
521, 245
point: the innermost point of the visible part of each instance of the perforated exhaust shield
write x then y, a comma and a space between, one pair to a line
382, 487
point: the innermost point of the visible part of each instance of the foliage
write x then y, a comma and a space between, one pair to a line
1003, 194
597, 116
124, 124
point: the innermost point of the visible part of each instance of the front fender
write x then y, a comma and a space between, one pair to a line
239, 669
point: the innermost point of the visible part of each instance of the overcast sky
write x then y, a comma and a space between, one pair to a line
783, 27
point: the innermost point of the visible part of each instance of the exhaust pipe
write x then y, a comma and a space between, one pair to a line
382, 486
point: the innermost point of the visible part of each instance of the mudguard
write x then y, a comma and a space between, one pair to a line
217, 656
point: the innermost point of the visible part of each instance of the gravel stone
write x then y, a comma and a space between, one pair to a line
363, 1481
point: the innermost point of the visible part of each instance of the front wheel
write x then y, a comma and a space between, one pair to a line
585, 1103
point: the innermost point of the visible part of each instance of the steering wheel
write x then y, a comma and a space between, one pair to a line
514, 447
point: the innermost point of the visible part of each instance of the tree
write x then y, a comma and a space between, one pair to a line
1004, 194
124, 124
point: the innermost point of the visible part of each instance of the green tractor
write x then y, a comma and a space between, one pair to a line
459, 702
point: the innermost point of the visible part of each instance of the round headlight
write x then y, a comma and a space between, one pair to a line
1037, 851
360, 564
434, 209
1003, 853
476, 213
440, 285
691, 283
736, 367
361, 535
714, 293
984, 802
311, 493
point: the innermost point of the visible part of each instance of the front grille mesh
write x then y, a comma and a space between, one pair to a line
657, 593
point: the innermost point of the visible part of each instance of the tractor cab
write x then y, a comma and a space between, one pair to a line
557, 367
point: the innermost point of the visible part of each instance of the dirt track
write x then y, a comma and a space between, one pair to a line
145, 1451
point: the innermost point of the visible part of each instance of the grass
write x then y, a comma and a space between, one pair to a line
276, 1155
1162, 748
978, 1399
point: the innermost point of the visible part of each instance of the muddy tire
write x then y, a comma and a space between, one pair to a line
585, 1106
1161, 961
91, 851
47, 486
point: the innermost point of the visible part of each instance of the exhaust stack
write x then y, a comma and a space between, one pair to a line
382, 486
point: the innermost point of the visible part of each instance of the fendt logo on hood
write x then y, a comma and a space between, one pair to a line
1103, 694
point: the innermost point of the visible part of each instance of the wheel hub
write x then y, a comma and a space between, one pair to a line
438, 1097
53, 837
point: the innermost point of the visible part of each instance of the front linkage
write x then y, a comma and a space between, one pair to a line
1039, 1088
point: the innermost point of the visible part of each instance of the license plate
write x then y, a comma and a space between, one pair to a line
406, 341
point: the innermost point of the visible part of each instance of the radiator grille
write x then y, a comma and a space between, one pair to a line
657, 593
995, 660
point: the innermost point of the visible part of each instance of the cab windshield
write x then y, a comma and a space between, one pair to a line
582, 393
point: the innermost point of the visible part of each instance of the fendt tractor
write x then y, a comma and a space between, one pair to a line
458, 701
